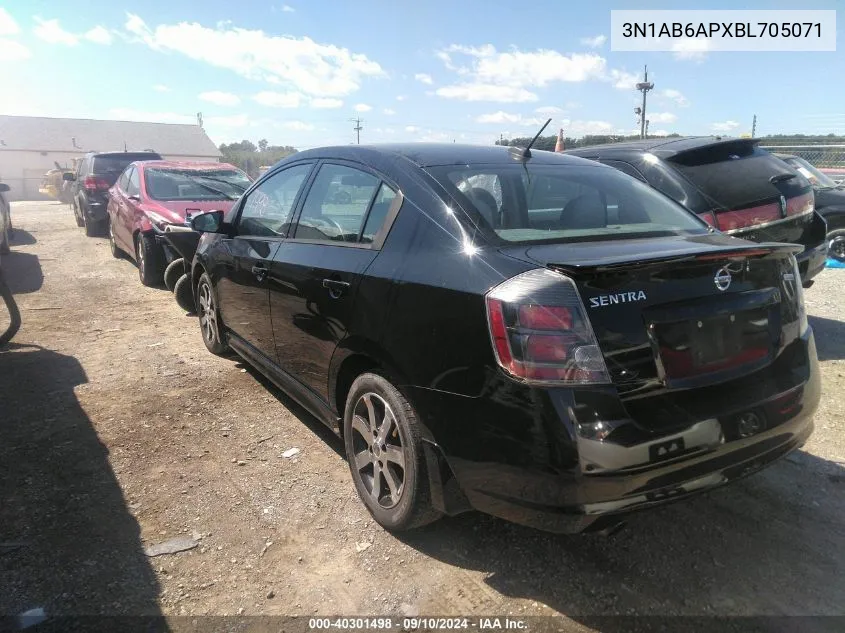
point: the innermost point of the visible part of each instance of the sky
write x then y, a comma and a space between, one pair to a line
297, 72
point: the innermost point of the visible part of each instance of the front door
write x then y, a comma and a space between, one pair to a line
315, 273
243, 285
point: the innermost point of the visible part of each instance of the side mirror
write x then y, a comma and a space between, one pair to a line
210, 222
68, 176
4, 187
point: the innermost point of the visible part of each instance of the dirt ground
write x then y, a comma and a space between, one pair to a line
119, 431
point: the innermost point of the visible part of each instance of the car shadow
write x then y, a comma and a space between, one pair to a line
21, 237
301, 413
830, 337
770, 544
68, 542
23, 272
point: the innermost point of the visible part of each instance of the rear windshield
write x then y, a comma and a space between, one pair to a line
559, 203
195, 184
110, 166
737, 175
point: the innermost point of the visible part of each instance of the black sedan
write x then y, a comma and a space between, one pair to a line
830, 202
533, 335
733, 184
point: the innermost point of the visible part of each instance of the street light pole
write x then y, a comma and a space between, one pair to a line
644, 86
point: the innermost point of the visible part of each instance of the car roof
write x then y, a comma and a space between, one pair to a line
665, 147
186, 164
432, 154
122, 153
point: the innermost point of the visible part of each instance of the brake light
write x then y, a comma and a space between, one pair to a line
540, 330
709, 217
95, 183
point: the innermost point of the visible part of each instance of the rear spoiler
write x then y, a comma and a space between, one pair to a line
610, 264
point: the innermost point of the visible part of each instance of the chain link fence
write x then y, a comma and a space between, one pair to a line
829, 159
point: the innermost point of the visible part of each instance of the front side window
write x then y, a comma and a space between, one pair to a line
266, 211
539, 203
195, 184
133, 187
337, 204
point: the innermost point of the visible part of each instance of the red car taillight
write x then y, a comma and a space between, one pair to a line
540, 330
801, 204
94, 183
744, 218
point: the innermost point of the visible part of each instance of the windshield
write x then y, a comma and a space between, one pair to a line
193, 184
538, 203
816, 178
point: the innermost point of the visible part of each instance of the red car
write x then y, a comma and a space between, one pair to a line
149, 195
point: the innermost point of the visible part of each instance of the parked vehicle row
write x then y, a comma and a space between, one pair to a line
733, 184
533, 335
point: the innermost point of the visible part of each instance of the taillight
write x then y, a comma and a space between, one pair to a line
732, 220
94, 183
540, 330
798, 205
709, 217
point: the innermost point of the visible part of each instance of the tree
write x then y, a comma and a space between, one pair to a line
246, 155
243, 146
262, 145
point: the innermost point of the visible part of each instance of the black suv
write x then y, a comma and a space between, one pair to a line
733, 184
95, 175
539, 337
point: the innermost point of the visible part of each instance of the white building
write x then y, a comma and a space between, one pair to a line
31, 146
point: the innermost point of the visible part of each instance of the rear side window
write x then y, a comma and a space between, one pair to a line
123, 182
385, 198
337, 204
133, 187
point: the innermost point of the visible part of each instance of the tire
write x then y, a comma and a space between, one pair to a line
4, 242
173, 273
208, 311
836, 245
184, 294
90, 227
77, 215
387, 459
149, 259
113, 247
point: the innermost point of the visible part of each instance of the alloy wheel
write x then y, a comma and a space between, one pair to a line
836, 248
379, 455
141, 261
208, 314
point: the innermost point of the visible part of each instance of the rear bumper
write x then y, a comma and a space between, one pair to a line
552, 478
95, 211
812, 261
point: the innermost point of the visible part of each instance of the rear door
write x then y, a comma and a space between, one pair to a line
315, 274
243, 286
121, 226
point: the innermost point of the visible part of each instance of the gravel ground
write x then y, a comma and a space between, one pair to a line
119, 431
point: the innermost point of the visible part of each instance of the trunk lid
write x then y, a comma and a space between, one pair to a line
680, 312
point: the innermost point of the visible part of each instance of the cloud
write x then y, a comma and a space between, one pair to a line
389, 111
300, 126
594, 42
676, 96
286, 8
537, 68
424, 78
52, 32
307, 66
363, 107
8, 26
580, 128
99, 35
219, 98
412, 128
130, 114
549, 110
161, 88
661, 117
486, 92
506, 117
724, 126
278, 99
694, 49
12, 51
326, 104
623, 80
401, 97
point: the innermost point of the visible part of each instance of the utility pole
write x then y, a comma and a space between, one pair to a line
754, 126
357, 121
646, 128
644, 86
199, 119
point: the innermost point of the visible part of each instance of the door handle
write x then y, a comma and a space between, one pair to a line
259, 271
335, 287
